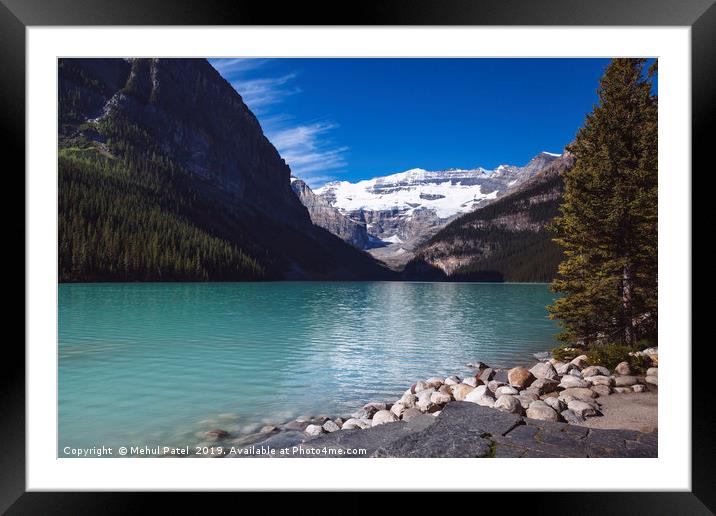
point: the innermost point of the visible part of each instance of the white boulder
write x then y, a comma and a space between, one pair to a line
507, 403
600, 380
540, 410
544, 370
569, 381
471, 381
353, 422
440, 398
625, 381
505, 389
623, 368
581, 361
460, 391
581, 408
383, 416
595, 370
313, 430
330, 426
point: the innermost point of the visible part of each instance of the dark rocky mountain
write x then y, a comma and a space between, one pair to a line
329, 218
165, 174
505, 240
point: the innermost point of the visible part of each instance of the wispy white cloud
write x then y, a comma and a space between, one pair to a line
306, 146
309, 151
262, 93
228, 67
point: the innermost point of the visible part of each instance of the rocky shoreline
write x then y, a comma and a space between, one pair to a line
554, 394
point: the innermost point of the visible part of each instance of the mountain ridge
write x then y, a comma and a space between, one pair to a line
402, 210
506, 240
165, 174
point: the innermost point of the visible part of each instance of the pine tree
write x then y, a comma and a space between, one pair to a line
608, 218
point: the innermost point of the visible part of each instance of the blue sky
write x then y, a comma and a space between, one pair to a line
353, 119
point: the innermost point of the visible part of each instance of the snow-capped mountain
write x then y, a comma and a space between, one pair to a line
505, 241
404, 209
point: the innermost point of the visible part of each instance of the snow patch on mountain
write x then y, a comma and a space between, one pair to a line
401, 210
445, 192
407, 191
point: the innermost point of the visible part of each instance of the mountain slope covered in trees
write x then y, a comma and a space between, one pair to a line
506, 240
165, 174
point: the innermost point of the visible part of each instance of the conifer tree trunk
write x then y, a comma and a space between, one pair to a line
628, 323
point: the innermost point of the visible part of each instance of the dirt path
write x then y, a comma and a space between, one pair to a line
637, 411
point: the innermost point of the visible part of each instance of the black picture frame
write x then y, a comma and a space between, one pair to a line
17, 15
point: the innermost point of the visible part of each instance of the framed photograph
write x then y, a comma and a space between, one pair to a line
436, 240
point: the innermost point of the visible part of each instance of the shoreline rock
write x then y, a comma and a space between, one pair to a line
550, 391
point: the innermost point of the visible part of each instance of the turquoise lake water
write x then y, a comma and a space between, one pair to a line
157, 364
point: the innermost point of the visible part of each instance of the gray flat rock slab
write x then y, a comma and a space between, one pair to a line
371, 439
469, 430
